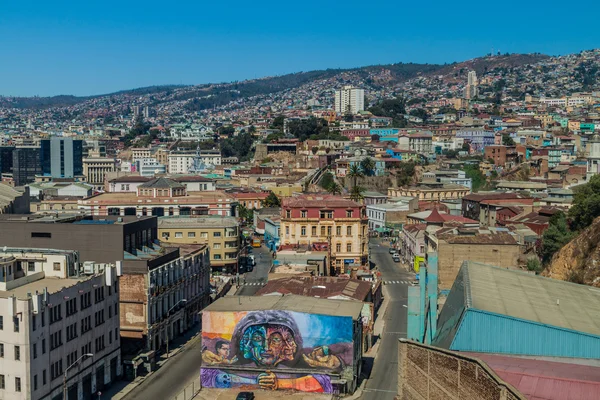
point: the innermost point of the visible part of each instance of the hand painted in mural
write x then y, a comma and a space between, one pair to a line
321, 357
267, 380
222, 354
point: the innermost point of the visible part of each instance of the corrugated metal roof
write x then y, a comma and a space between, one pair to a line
534, 298
309, 305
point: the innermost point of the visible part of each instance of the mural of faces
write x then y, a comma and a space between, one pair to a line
268, 344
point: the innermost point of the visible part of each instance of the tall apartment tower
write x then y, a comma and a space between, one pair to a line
61, 157
471, 89
349, 100
593, 158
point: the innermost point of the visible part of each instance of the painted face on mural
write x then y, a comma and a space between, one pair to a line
268, 344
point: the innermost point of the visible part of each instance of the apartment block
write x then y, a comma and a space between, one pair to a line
59, 322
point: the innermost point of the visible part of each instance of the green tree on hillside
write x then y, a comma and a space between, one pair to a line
367, 165
555, 237
586, 204
272, 201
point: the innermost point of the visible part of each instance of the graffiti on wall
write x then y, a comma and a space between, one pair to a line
279, 342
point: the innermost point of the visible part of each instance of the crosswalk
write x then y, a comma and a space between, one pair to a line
398, 282
252, 284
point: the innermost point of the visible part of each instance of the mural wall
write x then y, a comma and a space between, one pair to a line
284, 345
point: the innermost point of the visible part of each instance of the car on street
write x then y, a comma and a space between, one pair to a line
392, 250
396, 257
251, 260
245, 396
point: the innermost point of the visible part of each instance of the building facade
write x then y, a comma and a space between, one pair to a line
349, 100
57, 316
220, 234
161, 296
61, 157
333, 222
96, 168
25, 165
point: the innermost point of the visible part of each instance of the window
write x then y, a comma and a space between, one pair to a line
16, 321
1, 350
303, 231
216, 246
86, 324
349, 213
71, 306
2, 382
191, 234
43, 346
322, 231
338, 231
85, 300
17, 384
287, 230
328, 231
303, 213
314, 231
99, 294
1, 323
43, 377
349, 248
56, 266
99, 317
34, 322
71, 332
288, 214
110, 337
348, 231
35, 350
100, 344
55, 340
31, 266
35, 382
338, 247
326, 214
17, 353
41, 234
216, 234
55, 314
217, 256
178, 234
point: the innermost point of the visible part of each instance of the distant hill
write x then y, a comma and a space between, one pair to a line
206, 96
37, 102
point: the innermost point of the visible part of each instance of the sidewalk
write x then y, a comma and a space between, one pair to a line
120, 389
379, 322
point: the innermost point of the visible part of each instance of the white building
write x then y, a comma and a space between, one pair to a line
181, 162
150, 167
349, 100
138, 153
378, 213
210, 157
56, 320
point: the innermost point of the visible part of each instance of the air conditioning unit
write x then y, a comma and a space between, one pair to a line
88, 267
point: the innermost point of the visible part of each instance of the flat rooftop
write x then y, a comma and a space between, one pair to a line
208, 221
53, 284
310, 305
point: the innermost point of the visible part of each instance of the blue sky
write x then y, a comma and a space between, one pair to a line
92, 47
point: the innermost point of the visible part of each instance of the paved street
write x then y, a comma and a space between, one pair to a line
258, 276
383, 382
171, 378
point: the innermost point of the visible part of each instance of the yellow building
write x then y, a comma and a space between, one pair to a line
221, 234
285, 191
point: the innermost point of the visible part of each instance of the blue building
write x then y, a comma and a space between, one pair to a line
478, 138
496, 310
61, 157
272, 233
385, 132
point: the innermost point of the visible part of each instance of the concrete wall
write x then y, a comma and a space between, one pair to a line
426, 372
451, 257
133, 305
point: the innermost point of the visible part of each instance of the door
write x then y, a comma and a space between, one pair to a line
87, 387
113, 369
100, 379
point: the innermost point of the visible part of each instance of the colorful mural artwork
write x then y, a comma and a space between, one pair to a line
279, 342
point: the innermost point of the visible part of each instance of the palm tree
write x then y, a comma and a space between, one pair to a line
368, 166
334, 188
356, 193
355, 172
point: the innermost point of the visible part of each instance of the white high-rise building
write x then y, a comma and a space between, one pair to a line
471, 89
593, 158
349, 100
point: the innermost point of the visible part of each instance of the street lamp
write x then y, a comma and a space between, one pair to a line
169, 322
67, 370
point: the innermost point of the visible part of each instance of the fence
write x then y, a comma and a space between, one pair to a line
190, 391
